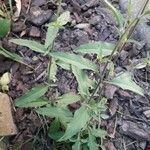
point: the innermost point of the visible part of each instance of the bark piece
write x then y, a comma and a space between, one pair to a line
7, 126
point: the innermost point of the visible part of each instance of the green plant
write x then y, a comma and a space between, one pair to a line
83, 127
5, 20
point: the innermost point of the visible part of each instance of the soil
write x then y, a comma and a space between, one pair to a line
128, 124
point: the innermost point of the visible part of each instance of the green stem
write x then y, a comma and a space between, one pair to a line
51, 49
59, 8
119, 46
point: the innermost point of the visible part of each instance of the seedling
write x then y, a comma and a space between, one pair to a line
83, 127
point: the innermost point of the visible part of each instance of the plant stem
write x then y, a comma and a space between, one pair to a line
51, 49
119, 46
59, 8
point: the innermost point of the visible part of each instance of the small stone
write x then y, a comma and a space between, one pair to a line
38, 17
34, 32
82, 25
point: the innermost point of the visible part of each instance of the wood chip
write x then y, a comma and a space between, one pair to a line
7, 126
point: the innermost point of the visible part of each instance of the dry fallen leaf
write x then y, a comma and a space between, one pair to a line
7, 126
18, 11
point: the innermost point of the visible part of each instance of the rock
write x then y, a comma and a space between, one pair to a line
143, 28
38, 16
34, 32
7, 126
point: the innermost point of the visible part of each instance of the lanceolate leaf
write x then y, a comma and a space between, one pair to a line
10, 55
31, 96
84, 83
63, 65
53, 70
92, 143
33, 45
77, 145
67, 99
37, 103
54, 131
4, 27
125, 81
99, 133
55, 112
100, 48
79, 121
51, 35
75, 60
116, 13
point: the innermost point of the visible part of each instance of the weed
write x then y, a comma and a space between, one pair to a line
83, 127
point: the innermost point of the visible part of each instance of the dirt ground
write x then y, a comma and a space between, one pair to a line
128, 124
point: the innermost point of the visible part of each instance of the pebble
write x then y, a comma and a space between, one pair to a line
38, 16
34, 32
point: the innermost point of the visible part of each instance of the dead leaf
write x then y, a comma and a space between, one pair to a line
18, 11
7, 126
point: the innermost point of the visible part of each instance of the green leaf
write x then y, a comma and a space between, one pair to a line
31, 96
125, 81
147, 12
75, 60
54, 130
55, 112
79, 121
100, 48
33, 45
67, 99
63, 65
77, 145
64, 18
119, 17
99, 133
53, 70
92, 143
36, 103
4, 27
84, 83
51, 35
11, 55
